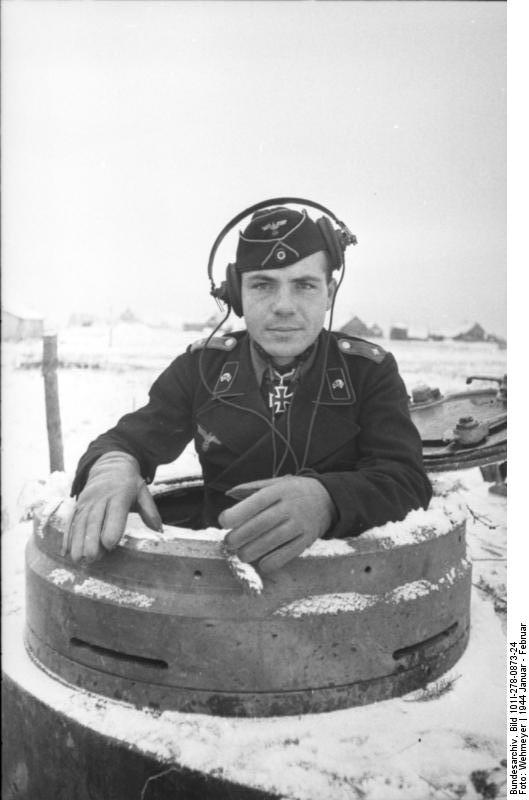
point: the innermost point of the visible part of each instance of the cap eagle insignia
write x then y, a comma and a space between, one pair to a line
273, 227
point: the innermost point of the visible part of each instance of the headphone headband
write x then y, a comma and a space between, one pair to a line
350, 238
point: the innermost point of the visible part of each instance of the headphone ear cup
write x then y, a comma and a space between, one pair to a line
332, 239
233, 289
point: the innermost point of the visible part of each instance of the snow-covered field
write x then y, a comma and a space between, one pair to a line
447, 741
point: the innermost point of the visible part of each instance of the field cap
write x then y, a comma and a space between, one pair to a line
277, 237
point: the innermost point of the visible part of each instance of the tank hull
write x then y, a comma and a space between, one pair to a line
50, 755
447, 446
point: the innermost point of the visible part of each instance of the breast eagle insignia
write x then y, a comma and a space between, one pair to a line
209, 438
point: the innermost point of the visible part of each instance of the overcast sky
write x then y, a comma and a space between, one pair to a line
133, 131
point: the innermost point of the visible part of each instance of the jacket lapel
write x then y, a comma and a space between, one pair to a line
236, 412
334, 423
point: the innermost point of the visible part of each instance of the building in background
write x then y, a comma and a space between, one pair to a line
356, 327
19, 324
472, 333
398, 331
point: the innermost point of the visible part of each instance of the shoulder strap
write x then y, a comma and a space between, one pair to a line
351, 346
224, 343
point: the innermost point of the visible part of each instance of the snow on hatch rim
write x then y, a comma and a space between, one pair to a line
446, 510
442, 515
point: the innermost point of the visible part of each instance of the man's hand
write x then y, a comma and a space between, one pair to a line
114, 487
278, 521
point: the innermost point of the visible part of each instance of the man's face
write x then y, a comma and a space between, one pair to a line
285, 308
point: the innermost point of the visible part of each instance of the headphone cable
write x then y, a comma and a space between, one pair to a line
317, 402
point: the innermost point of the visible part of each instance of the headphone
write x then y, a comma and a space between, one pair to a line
336, 240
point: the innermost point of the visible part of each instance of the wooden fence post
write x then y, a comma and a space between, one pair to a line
51, 394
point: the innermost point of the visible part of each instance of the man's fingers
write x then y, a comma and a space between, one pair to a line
267, 543
254, 528
244, 490
148, 511
241, 492
115, 522
278, 558
68, 533
77, 534
237, 515
95, 517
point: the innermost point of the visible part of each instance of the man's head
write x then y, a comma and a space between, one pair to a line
285, 272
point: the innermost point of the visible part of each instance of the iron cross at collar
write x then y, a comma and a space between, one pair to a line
280, 398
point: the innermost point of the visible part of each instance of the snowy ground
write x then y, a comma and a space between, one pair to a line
445, 742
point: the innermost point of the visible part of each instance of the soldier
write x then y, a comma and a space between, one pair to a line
301, 432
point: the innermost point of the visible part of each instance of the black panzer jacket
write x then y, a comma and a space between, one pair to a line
363, 448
